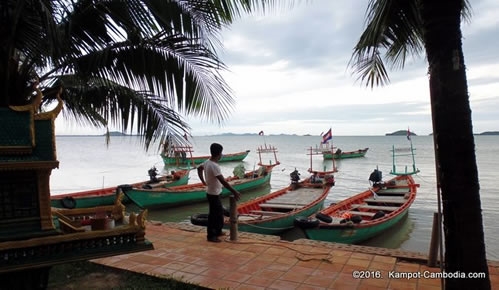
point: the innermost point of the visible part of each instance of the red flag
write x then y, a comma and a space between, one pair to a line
260, 133
328, 136
408, 134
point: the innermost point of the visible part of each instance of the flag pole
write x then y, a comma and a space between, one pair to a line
332, 149
264, 140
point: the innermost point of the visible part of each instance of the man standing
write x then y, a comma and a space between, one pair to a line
214, 180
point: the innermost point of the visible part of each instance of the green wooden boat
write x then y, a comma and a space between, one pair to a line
338, 154
107, 196
191, 193
364, 215
182, 155
275, 212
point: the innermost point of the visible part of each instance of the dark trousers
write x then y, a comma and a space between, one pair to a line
215, 216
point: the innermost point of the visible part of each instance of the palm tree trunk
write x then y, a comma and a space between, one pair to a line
454, 145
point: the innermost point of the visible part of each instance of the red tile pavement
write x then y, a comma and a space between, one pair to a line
266, 262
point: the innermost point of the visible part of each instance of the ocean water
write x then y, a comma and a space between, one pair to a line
87, 163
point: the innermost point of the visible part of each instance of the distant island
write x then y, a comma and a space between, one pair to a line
400, 133
404, 133
489, 133
396, 133
115, 133
252, 134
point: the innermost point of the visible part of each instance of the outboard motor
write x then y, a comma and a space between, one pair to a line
153, 172
376, 177
295, 178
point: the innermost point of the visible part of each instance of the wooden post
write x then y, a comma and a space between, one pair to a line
434, 242
233, 218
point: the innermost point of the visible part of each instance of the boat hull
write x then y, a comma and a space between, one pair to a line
345, 155
378, 209
278, 226
104, 196
176, 161
274, 213
191, 193
352, 235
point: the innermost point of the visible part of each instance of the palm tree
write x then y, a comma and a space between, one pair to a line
135, 64
397, 29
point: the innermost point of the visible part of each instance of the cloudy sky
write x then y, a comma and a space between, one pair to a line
289, 74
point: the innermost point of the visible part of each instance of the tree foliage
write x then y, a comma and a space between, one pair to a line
137, 64
396, 29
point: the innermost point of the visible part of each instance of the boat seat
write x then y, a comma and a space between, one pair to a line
386, 200
280, 205
377, 207
363, 213
249, 217
266, 212
394, 191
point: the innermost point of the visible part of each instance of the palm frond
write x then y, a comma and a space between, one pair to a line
100, 103
185, 75
394, 30
144, 62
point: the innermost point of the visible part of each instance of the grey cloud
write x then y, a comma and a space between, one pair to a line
400, 112
308, 38
482, 81
485, 109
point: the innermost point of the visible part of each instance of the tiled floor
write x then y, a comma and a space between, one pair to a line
266, 262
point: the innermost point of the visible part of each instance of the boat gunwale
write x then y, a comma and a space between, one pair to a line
236, 156
188, 188
262, 199
345, 205
94, 193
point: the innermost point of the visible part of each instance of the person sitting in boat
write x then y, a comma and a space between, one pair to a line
338, 151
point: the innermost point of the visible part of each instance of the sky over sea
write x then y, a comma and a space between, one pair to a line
289, 73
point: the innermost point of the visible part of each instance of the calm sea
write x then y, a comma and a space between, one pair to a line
87, 163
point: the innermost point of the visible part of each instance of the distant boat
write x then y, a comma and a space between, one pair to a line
364, 215
191, 193
339, 154
107, 196
182, 155
329, 152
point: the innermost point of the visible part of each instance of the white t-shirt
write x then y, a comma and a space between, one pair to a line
211, 171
